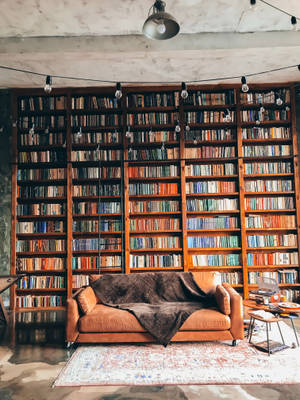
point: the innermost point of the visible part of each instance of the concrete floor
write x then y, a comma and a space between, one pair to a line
28, 371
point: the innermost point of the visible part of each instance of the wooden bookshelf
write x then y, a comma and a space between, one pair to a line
153, 182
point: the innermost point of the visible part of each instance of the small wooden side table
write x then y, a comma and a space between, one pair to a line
268, 321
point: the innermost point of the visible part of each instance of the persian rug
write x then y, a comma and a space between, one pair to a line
183, 364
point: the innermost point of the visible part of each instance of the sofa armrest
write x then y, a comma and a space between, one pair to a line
236, 312
223, 299
72, 320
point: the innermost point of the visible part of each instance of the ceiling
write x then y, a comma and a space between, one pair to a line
102, 40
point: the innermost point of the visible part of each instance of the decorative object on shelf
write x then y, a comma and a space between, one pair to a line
160, 25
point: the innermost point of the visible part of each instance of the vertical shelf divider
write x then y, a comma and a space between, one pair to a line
69, 198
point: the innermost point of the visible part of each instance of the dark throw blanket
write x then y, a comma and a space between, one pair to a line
160, 301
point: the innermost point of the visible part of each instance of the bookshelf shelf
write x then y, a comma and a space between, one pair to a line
159, 184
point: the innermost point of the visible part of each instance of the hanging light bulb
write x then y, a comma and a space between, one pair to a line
294, 23
48, 87
187, 128
118, 92
161, 27
287, 108
245, 87
31, 130
184, 92
128, 133
79, 133
279, 101
177, 127
253, 5
195, 140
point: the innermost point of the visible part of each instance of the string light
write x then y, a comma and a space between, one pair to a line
184, 92
177, 127
118, 92
245, 87
48, 87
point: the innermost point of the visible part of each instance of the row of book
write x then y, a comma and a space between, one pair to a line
41, 174
40, 245
96, 120
274, 132
42, 103
108, 225
210, 187
96, 173
210, 134
42, 122
210, 169
155, 261
291, 295
199, 98
155, 154
266, 115
41, 191
157, 206
40, 263
42, 139
206, 117
96, 155
96, 190
195, 242
215, 260
273, 258
270, 221
82, 137
219, 222
259, 185
154, 224
80, 280
153, 136
41, 282
155, 242
209, 152
96, 244
289, 240
211, 204
233, 278
40, 227
154, 171
94, 102
42, 156
152, 118
167, 99
281, 276
30, 301
96, 262
280, 167
269, 96
153, 188
267, 151
112, 207
269, 203
41, 209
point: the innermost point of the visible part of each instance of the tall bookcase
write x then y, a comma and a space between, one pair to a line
153, 182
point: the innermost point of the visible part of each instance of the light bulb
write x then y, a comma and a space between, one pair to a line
279, 101
187, 128
245, 88
294, 23
257, 122
31, 130
161, 27
128, 133
184, 93
228, 118
262, 109
118, 92
79, 133
177, 128
48, 87
195, 141
287, 108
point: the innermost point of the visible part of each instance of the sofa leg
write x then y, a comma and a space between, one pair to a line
234, 342
69, 344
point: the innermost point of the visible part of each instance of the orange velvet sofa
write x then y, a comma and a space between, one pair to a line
88, 321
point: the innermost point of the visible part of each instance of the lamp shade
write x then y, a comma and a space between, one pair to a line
160, 25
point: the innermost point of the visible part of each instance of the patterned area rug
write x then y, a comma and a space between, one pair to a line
182, 364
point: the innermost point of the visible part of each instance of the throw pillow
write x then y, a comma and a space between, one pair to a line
87, 300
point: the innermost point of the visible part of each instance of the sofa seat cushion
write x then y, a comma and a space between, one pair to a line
108, 319
206, 320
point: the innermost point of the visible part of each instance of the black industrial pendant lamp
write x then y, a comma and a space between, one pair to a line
160, 25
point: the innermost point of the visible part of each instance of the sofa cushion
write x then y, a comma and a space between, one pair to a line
108, 319
87, 300
223, 299
207, 280
206, 320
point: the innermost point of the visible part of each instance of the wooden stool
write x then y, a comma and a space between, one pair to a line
268, 321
